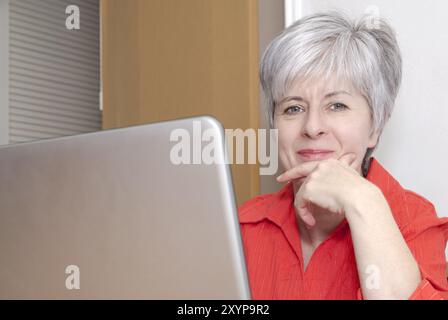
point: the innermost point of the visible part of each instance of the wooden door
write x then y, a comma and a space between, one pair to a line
169, 59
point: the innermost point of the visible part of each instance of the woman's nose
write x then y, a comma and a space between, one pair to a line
314, 125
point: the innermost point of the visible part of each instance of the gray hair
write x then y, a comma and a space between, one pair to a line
363, 53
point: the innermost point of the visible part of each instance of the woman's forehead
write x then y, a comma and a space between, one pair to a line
321, 86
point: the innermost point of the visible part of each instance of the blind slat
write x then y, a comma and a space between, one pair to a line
50, 107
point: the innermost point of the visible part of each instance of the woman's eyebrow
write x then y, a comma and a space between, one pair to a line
335, 93
297, 98
328, 95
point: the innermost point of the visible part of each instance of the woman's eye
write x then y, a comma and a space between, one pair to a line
293, 109
338, 107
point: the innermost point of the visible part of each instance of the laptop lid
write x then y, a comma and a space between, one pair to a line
110, 215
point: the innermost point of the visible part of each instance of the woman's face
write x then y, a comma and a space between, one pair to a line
318, 115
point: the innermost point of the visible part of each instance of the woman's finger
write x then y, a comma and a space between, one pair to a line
302, 209
351, 160
298, 172
348, 158
307, 216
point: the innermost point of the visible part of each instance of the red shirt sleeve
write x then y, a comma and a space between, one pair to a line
426, 236
429, 250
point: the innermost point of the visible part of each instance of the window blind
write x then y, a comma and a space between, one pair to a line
54, 72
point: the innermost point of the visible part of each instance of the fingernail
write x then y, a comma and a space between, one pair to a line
279, 177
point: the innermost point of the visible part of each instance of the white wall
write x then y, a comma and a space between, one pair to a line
4, 48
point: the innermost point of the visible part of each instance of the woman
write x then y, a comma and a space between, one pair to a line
342, 227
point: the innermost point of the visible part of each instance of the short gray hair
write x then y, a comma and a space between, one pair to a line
321, 45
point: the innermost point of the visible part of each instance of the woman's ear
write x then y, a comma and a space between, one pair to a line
373, 139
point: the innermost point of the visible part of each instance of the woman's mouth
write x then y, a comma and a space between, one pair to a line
315, 154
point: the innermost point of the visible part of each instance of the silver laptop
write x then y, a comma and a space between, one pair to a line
111, 215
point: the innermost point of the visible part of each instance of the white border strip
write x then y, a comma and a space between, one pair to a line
293, 11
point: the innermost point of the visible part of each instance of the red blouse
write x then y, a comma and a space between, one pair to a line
273, 252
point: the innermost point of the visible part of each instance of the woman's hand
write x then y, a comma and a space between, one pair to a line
332, 184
